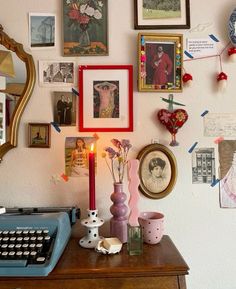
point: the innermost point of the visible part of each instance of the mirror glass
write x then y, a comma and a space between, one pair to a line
15, 88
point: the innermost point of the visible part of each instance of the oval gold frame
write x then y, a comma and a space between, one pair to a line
16, 47
142, 155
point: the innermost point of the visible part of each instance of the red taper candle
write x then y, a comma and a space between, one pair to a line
92, 205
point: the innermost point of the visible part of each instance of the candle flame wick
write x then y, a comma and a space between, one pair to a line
92, 147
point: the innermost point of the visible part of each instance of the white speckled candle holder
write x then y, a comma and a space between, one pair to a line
92, 223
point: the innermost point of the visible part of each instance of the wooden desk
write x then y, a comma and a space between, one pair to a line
160, 266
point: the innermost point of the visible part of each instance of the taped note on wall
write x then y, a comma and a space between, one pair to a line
220, 124
200, 47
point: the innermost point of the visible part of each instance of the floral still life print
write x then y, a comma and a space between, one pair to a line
85, 27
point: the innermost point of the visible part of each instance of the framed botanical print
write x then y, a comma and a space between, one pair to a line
106, 98
85, 27
39, 135
165, 14
160, 60
157, 171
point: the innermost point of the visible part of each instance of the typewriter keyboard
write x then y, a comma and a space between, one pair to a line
19, 248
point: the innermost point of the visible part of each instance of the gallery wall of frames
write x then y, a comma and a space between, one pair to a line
156, 78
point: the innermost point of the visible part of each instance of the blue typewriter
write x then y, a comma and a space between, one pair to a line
32, 240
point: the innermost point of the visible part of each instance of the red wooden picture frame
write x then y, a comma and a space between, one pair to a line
105, 98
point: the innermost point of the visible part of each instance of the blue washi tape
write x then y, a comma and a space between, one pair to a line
214, 38
75, 91
192, 147
215, 182
188, 54
56, 126
204, 113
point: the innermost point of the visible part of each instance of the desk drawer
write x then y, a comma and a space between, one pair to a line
165, 282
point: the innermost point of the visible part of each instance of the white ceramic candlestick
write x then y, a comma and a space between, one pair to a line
92, 223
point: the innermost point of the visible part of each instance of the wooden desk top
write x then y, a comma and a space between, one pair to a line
156, 260
160, 266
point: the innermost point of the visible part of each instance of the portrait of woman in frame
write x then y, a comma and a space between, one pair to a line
157, 171
160, 61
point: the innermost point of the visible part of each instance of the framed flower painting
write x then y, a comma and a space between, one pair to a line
85, 27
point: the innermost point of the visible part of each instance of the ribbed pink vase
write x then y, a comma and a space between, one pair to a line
118, 223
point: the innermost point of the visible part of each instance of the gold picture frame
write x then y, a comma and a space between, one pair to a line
157, 171
160, 61
39, 135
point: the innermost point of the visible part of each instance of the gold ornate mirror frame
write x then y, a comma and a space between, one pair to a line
11, 44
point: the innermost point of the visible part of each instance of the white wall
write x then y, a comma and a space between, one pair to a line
203, 232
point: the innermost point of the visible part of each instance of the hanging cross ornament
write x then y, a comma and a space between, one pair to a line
172, 119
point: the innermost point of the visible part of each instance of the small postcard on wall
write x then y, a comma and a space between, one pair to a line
42, 30
227, 159
203, 166
76, 155
220, 124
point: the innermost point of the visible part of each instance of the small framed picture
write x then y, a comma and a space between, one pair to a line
39, 135
85, 27
165, 14
42, 30
54, 73
160, 61
106, 98
157, 171
64, 108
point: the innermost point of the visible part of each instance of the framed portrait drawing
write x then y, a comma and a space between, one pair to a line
157, 171
160, 61
165, 14
85, 27
39, 135
106, 98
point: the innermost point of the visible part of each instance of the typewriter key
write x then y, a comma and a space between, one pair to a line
12, 240
18, 247
40, 260
12, 254
19, 254
5, 254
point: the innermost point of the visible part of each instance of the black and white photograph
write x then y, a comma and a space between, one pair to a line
56, 73
64, 108
42, 30
106, 99
157, 171
203, 166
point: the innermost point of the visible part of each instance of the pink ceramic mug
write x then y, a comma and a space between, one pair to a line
152, 226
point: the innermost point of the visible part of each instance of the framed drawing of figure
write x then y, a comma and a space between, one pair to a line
157, 171
106, 98
160, 61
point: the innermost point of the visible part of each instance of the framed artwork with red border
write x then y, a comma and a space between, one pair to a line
105, 98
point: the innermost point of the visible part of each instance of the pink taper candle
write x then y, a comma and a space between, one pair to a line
92, 205
134, 181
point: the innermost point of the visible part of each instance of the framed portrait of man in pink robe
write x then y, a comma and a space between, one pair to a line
160, 62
